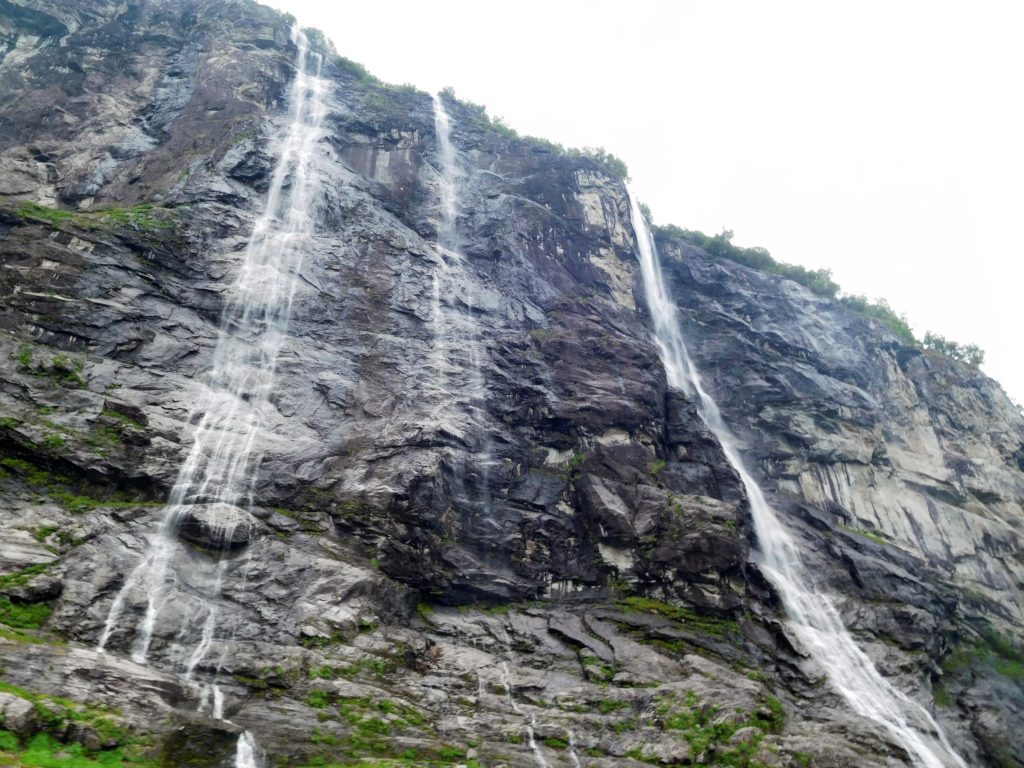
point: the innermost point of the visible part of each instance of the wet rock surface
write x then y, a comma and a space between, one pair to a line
216, 527
445, 561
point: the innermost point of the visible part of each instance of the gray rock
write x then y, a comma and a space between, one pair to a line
217, 526
17, 715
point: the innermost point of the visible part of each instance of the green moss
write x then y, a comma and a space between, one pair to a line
553, 742
24, 615
709, 733
990, 650
46, 749
64, 491
24, 575
576, 462
144, 216
9, 742
16, 636
638, 754
317, 699
704, 623
122, 417
61, 368
607, 706
877, 538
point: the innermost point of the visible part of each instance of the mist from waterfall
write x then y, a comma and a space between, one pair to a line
813, 617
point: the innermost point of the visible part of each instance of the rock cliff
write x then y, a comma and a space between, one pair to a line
484, 531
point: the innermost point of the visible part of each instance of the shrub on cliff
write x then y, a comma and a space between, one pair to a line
721, 246
971, 354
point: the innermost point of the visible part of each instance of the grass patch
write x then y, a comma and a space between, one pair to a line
24, 615
877, 538
144, 216
48, 748
708, 731
44, 751
61, 368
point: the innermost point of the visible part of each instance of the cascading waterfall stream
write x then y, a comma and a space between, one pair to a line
457, 334
506, 680
247, 752
813, 617
218, 475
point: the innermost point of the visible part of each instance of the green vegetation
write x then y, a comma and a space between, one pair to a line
656, 467
317, 699
318, 41
720, 246
818, 281
607, 706
144, 216
16, 615
45, 751
65, 491
576, 463
709, 732
881, 311
875, 537
971, 354
357, 70
612, 164
703, 623
49, 747
61, 368
990, 650
371, 726
24, 615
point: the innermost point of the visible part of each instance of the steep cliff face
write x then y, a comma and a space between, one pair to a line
900, 467
483, 526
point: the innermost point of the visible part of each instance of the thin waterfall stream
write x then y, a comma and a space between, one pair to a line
813, 618
215, 483
458, 336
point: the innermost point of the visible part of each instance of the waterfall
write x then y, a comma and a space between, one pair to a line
247, 752
215, 482
458, 336
510, 699
813, 617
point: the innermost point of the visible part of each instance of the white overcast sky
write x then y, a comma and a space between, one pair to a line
882, 140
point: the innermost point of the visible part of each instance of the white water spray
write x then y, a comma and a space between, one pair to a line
221, 467
510, 699
218, 475
458, 354
574, 753
247, 752
813, 617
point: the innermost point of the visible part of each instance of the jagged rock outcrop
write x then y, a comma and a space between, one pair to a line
575, 540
